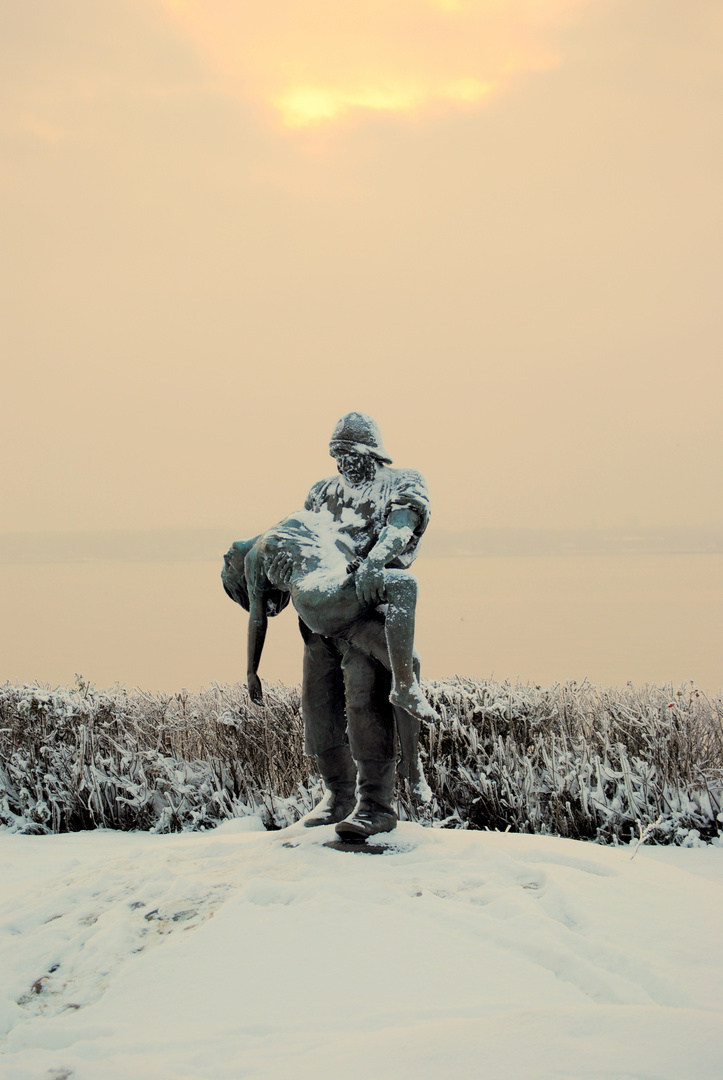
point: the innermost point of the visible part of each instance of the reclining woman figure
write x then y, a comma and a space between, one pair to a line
321, 584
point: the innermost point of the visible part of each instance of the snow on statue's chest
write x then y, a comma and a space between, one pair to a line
359, 513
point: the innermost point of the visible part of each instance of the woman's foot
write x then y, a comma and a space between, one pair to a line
413, 701
422, 792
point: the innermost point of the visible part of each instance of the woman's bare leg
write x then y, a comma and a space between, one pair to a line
401, 593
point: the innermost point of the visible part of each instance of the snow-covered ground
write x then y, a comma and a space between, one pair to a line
242, 954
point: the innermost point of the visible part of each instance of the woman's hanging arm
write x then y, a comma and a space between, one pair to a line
258, 621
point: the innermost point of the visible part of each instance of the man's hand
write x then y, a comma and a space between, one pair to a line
255, 692
393, 540
369, 583
279, 571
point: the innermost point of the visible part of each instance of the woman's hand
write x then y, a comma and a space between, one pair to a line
255, 690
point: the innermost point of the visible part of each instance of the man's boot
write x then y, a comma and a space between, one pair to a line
338, 771
374, 812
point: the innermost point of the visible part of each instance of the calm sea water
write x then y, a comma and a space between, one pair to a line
165, 626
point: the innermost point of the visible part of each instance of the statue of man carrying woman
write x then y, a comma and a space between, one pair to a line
343, 562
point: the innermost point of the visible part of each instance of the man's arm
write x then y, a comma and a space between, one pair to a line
393, 540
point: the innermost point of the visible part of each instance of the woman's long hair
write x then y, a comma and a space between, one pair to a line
233, 576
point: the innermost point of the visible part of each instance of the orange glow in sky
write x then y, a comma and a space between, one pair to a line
317, 61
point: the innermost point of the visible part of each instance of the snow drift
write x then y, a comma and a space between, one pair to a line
246, 953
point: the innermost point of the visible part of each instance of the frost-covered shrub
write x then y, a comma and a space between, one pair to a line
78, 758
575, 760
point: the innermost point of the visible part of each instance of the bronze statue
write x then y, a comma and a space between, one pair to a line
343, 561
302, 554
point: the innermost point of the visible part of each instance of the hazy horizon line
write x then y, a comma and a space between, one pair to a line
204, 544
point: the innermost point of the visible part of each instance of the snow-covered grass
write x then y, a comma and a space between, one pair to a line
578, 761
241, 953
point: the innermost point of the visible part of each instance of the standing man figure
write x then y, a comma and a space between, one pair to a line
348, 720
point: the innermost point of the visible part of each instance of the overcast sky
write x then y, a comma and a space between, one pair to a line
495, 226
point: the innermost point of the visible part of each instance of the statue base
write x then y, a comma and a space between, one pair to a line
359, 847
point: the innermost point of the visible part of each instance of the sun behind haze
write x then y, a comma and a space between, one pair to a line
321, 60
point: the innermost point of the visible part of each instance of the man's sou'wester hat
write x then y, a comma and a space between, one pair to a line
357, 433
